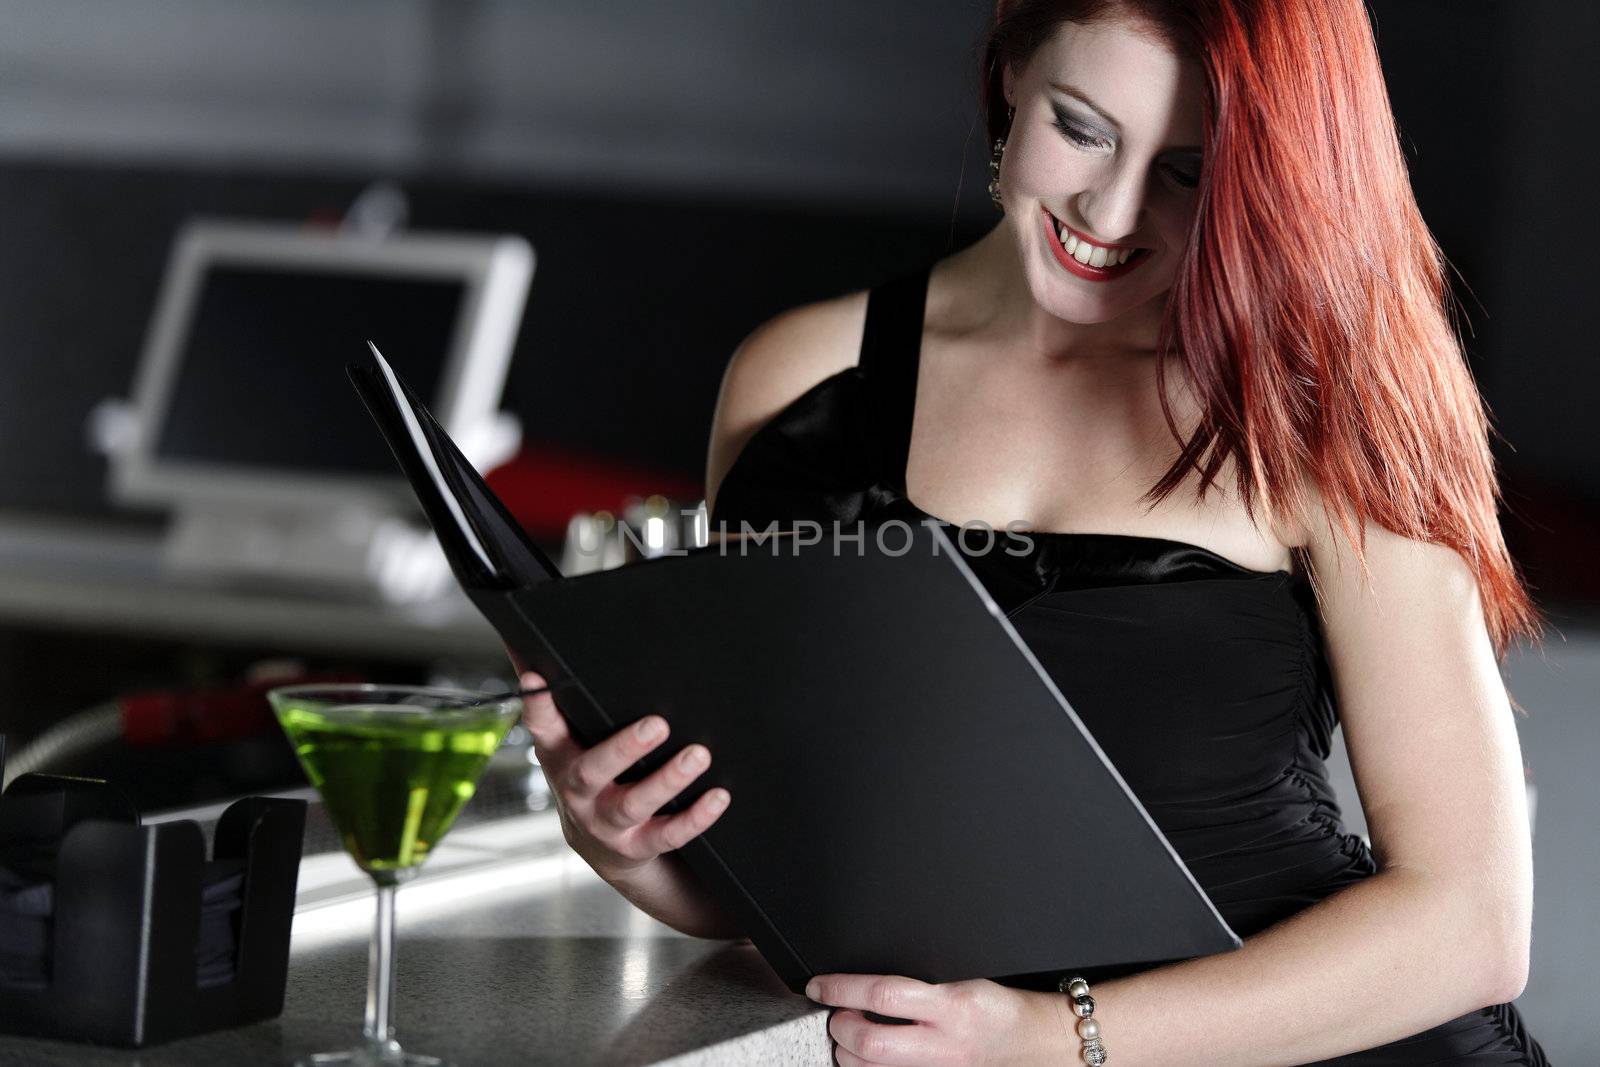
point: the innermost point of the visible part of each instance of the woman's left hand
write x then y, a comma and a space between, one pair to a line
955, 1024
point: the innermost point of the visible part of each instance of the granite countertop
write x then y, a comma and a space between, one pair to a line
511, 951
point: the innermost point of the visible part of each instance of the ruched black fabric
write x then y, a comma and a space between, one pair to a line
1224, 742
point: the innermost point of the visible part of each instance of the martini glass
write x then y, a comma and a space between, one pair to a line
394, 765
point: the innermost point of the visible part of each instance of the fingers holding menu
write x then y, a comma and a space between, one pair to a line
615, 826
552, 742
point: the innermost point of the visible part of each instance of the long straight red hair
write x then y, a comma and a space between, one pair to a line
1311, 310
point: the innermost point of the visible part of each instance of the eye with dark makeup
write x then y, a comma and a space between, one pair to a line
1077, 133
1188, 177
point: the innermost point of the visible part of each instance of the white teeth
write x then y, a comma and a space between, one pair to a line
1088, 254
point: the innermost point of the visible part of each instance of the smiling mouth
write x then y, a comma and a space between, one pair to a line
1089, 254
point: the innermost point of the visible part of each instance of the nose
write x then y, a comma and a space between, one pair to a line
1112, 208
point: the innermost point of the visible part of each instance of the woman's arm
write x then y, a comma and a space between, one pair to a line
1440, 930
1443, 928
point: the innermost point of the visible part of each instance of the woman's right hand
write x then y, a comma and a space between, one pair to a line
612, 825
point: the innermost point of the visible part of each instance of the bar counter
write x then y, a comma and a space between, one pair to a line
510, 951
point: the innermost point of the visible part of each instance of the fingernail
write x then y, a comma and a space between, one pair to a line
650, 729
719, 800
692, 757
811, 989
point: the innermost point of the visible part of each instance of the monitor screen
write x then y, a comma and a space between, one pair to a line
259, 378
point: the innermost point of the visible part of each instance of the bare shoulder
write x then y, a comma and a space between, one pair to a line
777, 362
1391, 572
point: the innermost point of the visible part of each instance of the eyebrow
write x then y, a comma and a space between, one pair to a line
1083, 98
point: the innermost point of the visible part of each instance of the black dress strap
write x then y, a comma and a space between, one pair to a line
891, 347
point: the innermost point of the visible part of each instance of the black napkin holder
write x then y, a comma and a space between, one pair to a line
125, 927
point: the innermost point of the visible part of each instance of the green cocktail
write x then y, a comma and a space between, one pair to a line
392, 778
394, 765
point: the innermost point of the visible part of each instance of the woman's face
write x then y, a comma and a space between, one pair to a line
1101, 163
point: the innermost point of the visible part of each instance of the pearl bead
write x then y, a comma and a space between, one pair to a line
1088, 1028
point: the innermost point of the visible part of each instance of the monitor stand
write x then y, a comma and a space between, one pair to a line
355, 551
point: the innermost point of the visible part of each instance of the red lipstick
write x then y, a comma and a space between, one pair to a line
1083, 270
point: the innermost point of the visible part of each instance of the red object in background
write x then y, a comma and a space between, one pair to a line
201, 716
544, 487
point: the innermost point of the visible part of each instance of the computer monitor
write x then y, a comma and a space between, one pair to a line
243, 419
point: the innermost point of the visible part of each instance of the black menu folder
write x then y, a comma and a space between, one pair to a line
911, 793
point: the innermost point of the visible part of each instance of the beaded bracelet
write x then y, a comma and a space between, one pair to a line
1094, 1050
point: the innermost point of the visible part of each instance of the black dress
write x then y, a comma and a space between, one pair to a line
1224, 746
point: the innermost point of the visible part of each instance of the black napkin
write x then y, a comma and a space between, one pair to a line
27, 900
221, 902
27, 913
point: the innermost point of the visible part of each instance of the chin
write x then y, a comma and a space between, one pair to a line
1076, 301
1067, 301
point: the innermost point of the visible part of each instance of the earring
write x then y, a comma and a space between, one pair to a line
994, 162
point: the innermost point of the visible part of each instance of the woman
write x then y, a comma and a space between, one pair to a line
1210, 274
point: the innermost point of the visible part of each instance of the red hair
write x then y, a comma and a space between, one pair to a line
1311, 310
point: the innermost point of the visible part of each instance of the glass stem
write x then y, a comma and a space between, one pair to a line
380, 977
